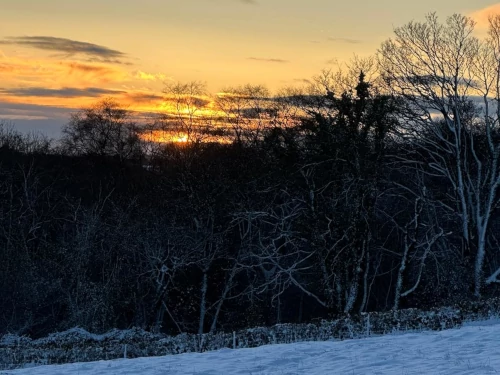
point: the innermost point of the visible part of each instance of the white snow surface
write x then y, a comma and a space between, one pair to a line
472, 349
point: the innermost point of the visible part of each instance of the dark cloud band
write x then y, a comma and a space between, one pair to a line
65, 92
67, 46
345, 40
271, 60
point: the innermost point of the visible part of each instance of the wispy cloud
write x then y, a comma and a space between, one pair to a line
15, 71
196, 101
33, 98
93, 52
65, 92
8, 109
29, 118
302, 80
270, 60
51, 83
6, 68
345, 40
74, 66
151, 76
145, 98
252, 2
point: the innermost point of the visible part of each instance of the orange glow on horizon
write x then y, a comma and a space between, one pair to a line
180, 138
162, 136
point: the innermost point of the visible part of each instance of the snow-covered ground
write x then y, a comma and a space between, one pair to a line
472, 349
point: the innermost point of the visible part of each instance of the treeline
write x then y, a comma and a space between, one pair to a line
351, 196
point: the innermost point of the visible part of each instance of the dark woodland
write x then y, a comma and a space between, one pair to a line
374, 190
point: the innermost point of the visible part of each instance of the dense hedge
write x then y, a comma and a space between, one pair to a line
77, 345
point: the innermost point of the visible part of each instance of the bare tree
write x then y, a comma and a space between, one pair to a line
29, 143
439, 69
247, 110
419, 230
163, 259
345, 77
104, 129
189, 116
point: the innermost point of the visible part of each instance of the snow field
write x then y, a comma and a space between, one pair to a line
472, 349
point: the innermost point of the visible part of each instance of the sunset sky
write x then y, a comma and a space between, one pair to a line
60, 55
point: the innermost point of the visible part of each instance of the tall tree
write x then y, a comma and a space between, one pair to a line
441, 69
104, 129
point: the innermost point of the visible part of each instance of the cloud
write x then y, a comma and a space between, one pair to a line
88, 68
108, 61
8, 116
271, 60
6, 68
151, 76
302, 80
65, 92
345, 40
39, 102
69, 47
481, 16
29, 118
252, 2
196, 101
32, 110
144, 98
16, 72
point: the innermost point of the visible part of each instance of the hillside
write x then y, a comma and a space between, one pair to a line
472, 349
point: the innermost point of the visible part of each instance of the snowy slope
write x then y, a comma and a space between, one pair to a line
473, 349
